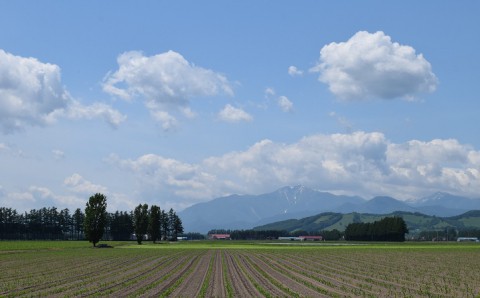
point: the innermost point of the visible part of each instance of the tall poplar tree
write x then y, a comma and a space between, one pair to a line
177, 226
154, 223
95, 218
140, 221
164, 224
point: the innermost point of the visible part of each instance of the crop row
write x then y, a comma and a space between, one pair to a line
240, 273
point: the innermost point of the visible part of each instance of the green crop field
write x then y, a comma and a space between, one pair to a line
239, 269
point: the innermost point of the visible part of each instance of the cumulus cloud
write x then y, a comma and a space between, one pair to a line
269, 91
97, 110
285, 104
167, 179
370, 65
168, 121
165, 81
282, 101
232, 114
359, 163
10, 150
78, 184
33, 95
294, 71
16, 199
37, 197
4, 147
58, 154
30, 90
78, 190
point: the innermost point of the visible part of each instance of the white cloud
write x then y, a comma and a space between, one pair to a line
78, 191
81, 189
285, 104
4, 147
232, 114
97, 110
165, 81
32, 94
78, 184
370, 65
168, 121
358, 163
165, 179
294, 71
11, 151
269, 91
188, 112
58, 154
38, 197
30, 91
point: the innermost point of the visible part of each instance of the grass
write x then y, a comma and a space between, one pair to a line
11, 246
7, 245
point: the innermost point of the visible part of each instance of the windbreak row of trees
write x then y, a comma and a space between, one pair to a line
386, 229
54, 224
155, 224
250, 234
270, 234
447, 234
438, 235
41, 224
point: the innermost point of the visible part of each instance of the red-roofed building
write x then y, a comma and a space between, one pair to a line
219, 236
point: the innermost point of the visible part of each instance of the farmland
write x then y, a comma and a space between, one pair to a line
239, 269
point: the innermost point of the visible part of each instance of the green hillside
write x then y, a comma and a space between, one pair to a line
416, 222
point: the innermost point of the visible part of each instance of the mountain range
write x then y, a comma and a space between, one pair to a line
296, 202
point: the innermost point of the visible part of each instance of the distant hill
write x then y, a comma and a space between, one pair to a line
445, 204
378, 205
416, 222
298, 202
247, 211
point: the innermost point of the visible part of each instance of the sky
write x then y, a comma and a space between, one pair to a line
178, 102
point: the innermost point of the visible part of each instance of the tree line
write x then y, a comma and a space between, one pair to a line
386, 229
447, 234
274, 234
155, 224
41, 224
249, 234
54, 224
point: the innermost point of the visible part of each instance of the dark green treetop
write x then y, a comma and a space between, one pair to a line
154, 223
140, 221
95, 218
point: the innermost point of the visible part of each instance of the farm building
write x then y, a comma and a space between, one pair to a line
219, 236
302, 238
467, 239
310, 238
289, 238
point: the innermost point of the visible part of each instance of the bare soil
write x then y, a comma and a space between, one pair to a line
242, 286
191, 286
217, 288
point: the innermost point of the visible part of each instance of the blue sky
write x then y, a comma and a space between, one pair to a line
178, 103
